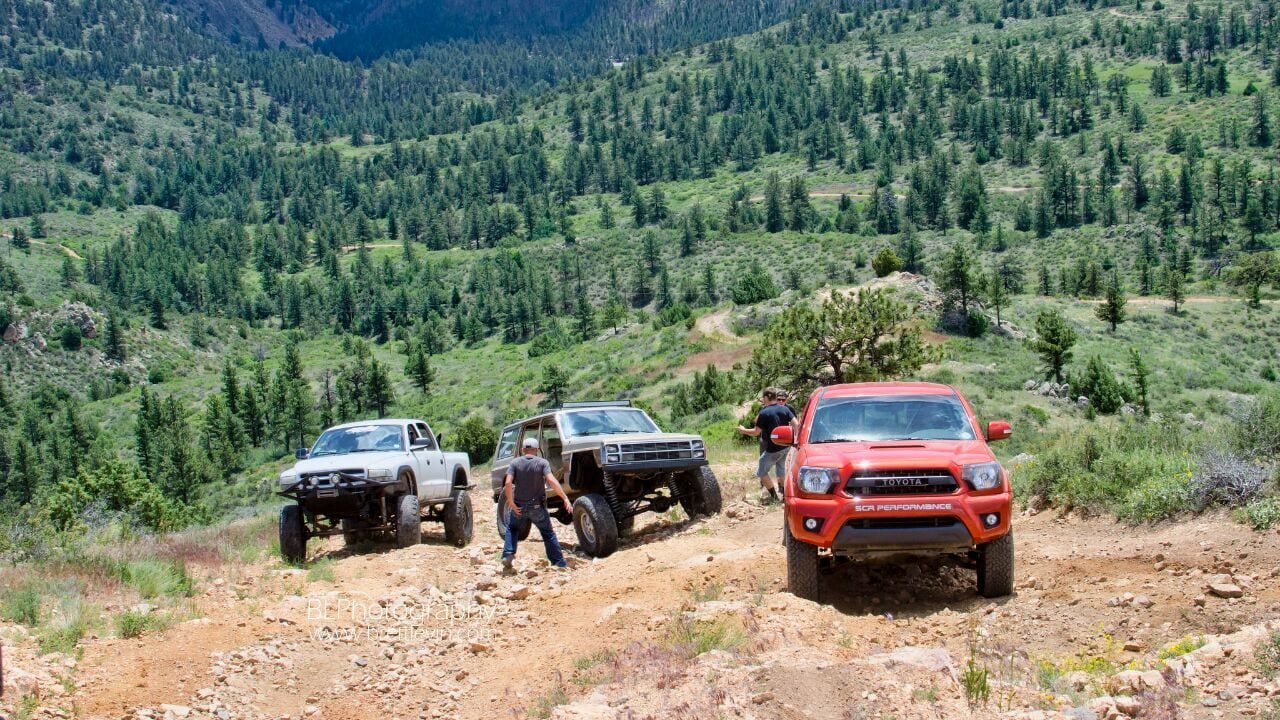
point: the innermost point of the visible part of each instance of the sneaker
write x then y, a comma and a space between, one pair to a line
508, 563
561, 566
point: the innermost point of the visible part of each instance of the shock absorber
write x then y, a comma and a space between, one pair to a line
673, 487
611, 494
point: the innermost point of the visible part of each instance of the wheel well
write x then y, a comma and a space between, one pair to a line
585, 475
460, 478
413, 481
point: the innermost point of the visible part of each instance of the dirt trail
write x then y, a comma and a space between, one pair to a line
69, 252
434, 631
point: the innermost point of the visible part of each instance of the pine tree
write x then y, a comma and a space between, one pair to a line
957, 276
1141, 380
775, 220
1260, 133
157, 313
554, 384
1174, 287
115, 338
380, 393
1054, 338
997, 293
418, 368
585, 314
1112, 309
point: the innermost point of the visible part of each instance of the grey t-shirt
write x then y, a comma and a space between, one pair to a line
528, 473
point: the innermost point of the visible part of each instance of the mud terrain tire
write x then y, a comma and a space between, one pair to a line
293, 534
802, 567
995, 567
459, 522
408, 521
596, 526
502, 512
702, 493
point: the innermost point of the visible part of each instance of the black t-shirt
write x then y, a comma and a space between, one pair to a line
770, 417
528, 473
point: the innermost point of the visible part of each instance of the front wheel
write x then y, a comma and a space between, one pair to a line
701, 493
293, 534
597, 528
354, 533
458, 519
802, 567
408, 521
995, 567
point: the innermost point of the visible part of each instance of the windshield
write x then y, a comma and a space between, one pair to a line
607, 422
361, 438
890, 417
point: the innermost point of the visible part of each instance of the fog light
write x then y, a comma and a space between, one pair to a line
992, 520
811, 524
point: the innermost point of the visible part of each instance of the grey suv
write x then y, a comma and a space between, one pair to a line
614, 463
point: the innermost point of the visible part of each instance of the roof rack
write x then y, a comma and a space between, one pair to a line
595, 404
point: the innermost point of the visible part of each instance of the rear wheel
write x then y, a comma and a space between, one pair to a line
502, 512
408, 521
995, 567
293, 534
702, 493
458, 519
597, 528
802, 567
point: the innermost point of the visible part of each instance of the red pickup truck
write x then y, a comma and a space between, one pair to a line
891, 468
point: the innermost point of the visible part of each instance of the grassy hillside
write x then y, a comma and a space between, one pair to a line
790, 158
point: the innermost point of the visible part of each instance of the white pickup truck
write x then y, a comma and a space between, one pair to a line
375, 478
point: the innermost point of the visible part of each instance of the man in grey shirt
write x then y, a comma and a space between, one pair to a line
526, 494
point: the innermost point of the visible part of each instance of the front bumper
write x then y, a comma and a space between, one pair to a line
848, 525
652, 465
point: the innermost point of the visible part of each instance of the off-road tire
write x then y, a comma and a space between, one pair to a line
408, 521
293, 534
995, 567
702, 493
501, 519
597, 528
802, 567
459, 522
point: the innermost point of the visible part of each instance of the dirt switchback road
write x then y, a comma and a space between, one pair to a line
689, 620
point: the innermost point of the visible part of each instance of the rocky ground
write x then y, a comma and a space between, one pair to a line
689, 619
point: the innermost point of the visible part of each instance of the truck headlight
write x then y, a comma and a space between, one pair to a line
288, 479
612, 454
982, 476
698, 448
378, 473
818, 480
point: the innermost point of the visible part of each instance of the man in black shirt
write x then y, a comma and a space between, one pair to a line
773, 457
525, 495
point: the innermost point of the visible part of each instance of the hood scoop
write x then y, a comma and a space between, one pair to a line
897, 446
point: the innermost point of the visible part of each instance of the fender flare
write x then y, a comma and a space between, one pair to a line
413, 479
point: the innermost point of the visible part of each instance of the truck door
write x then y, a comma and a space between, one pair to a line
552, 446
434, 478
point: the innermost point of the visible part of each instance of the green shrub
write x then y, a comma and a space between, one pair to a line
1262, 514
476, 438
134, 623
1099, 384
1136, 471
1256, 427
21, 605
886, 261
158, 578
68, 628
692, 638
70, 337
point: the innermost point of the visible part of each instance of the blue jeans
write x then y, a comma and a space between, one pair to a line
536, 514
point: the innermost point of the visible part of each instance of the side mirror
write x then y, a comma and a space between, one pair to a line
782, 435
999, 430
302, 453
422, 442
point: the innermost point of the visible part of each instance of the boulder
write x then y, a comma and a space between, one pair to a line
11, 333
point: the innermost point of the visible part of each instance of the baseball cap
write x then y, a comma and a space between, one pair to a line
530, 443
